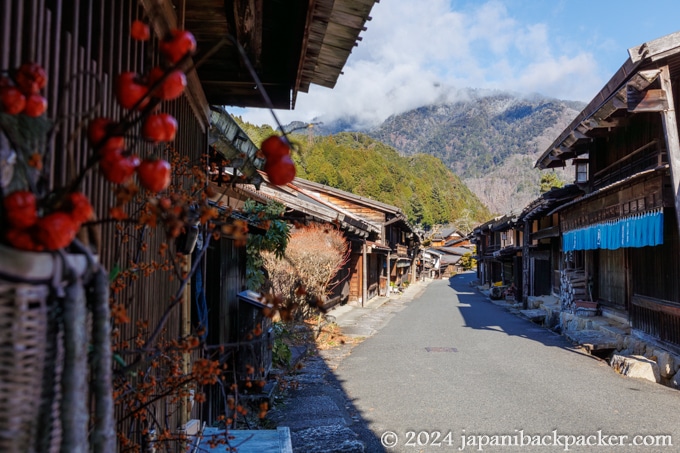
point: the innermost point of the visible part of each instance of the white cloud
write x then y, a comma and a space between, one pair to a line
412, 55
564, 77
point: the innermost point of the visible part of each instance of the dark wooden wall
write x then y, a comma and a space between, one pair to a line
636, 197
638, 146
611, 277
655, 270
83, 45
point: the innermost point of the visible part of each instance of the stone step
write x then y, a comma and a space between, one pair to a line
536, 315
636, 367
614, 315
593, 340
616, 330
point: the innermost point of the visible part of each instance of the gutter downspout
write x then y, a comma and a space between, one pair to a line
670, 128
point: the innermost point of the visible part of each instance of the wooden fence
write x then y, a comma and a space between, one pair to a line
658, 318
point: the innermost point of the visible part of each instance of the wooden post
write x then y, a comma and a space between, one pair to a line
670, 126
185, 325
364, 277
525, 262
388, 271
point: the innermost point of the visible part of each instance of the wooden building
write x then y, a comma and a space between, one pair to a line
85, 45
446, 235
303, 208
387, 259
498, 251
540, 241
621, 236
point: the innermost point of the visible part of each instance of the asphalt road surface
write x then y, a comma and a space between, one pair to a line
454, 372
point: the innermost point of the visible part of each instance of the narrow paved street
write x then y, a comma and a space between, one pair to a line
452, 370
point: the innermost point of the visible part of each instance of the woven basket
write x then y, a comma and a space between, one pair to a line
30, 351
23, 338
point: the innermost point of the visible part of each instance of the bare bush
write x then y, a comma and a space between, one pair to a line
314, 255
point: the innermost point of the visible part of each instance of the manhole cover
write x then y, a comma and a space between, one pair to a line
440, 349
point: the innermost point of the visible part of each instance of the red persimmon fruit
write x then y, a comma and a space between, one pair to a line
21, 208
280, 171
275, 147
31, 78
79, 207
35, 105
55, 231
140, 31
22, 239
154, 174
13, 101
159, 127
130, 91
116, 167
172, 86
178, 44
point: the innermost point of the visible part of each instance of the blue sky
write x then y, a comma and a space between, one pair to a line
418, 52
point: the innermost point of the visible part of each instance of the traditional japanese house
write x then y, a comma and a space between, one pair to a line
390, 258
450, 257
431, 263
540, 240
302, 208
620, 239
485, 244
458, 239
498, 251
445, 235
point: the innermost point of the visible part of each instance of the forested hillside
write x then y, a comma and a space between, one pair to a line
420, 184
490, 141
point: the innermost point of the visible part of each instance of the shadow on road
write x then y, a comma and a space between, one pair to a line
320, 415
480, 313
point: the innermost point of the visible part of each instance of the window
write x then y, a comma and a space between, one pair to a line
581, 172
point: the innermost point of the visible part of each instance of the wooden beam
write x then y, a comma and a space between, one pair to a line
572, 138
616, 102
657, 305
584, 127
594, 123
247, 16
643, 79
655, 47
646, 101
670, 127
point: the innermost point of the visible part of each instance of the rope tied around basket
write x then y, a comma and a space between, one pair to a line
46, 299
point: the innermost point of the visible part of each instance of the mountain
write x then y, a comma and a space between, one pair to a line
419, 184
490, 141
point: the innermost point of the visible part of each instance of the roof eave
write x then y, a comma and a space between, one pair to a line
564, 147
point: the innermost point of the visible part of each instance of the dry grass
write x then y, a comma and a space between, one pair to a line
330, 335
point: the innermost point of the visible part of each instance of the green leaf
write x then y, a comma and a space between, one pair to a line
114, 272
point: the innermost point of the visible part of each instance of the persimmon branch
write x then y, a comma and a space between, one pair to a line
177, 299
